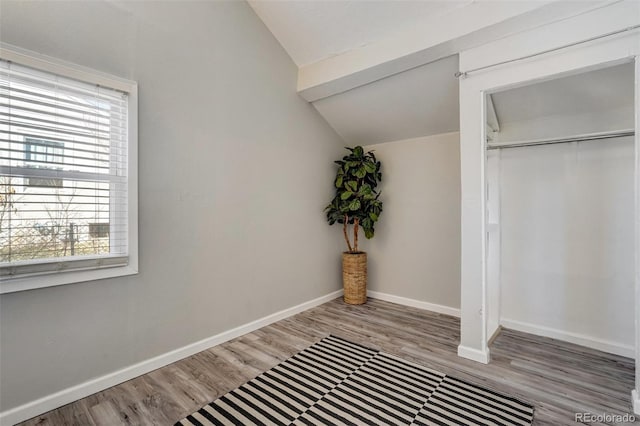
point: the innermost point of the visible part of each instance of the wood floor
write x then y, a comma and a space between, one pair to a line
558, 378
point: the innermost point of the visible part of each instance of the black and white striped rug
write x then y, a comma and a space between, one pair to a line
337, 382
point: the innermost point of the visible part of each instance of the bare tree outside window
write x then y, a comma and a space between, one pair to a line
7, 201
49, 223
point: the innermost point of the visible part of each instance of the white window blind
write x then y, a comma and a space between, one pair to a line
63, 173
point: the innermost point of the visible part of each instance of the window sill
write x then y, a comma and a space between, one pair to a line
13, 285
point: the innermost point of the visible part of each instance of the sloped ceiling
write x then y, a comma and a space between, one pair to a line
419, 102
590, 102
314, 30
594, 91
380, 71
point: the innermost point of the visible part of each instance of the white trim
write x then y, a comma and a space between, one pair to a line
132, 180
441, 309
493, 242
474, 354
636, 397
65, 396
494, 335
470, 26
594, 55
567, 336
12, 285
42, 62
88, 75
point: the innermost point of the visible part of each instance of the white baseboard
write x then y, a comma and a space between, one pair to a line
494, 334
441, 309
474, 354
635, 400
579, 339
65, 396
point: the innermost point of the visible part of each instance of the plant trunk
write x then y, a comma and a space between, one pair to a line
344, 231
356, 222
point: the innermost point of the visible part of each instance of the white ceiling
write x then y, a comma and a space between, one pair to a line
605, 89
314, 30
423, 101
419, 102
591, 102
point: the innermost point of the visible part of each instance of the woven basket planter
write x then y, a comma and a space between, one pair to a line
354, 277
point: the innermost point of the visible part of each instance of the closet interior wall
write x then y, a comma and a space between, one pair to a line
561, 215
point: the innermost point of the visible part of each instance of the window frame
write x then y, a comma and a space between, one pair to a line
91, 273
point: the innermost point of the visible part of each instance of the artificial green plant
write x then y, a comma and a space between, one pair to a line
356, 201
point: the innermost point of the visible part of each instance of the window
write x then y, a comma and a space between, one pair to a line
99, 230
67, 194
43, 154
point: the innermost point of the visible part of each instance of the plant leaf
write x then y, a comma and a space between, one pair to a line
370, 167
345, 195
356, 196
365, 189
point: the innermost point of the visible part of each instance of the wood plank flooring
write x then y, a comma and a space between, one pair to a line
558, 378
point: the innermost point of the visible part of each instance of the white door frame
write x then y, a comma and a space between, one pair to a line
635, 396
477, 307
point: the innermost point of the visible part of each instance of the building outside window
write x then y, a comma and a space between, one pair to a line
44, 154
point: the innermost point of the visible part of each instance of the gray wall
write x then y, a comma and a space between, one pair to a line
234, 169
416, 250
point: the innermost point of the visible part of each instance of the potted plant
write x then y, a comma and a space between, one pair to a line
356, 203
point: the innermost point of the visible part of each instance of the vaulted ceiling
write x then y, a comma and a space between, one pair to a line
381, 71
419, 102
311, 31
596, 101
609, 88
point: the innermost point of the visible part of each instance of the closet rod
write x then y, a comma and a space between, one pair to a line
581, 138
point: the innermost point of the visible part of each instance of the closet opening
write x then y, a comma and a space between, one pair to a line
560, 194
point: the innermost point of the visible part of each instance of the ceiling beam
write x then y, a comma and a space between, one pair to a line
475, 24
